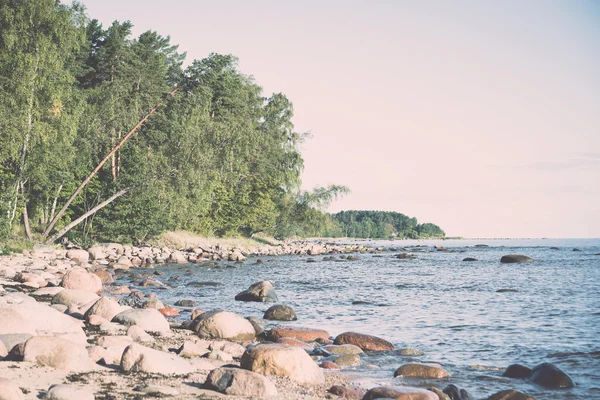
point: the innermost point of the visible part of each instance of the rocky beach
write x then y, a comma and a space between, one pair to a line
99, 323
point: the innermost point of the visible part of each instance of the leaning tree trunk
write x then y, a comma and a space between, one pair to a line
73, 224
95, 171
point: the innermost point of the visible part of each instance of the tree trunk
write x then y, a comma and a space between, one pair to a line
95, 171
54, 203
25, 214
73, 224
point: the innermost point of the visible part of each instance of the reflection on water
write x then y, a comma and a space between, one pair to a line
474, 318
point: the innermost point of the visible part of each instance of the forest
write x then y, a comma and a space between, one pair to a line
109, 137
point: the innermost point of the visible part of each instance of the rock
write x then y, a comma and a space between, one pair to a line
517, 371
137, 358
329, 365
105, 307
78, 255
79, 279
576, 249
454, 393
154, 303
515, 258
510, 395
57, 353
192, 349
343, 349
39, 319
9, 390
441, 395
69, 392
70, 297
262, 291
407, 352
422, 371
97, 253
304, 334
149, 319
196, 313
96, 320
292, 342
104, 276
48, 291
185, 303
347, 393
219, 355
235, 349
132, 300
139, 335
551, 377
223, 325
258, 329
239, 382
470, 259
365, 342
348, 360
115, 341
282, 360
169, 311
120, 290
399, 393
280, 313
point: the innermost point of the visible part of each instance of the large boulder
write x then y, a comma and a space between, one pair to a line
34, 319
399, 393
9, 390
510, 395
105, 307
551, 377
262, 291
80, 279
69, 297
415, 370
280, 313
57, 353
365, 342
223, 325
282, 360
69, 392
78, 255
149, 319
239, 382
137, 358
304, 334
515, 258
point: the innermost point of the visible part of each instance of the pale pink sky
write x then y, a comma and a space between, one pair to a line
480, 116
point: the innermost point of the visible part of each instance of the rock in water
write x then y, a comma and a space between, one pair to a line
365, 342
510, 395
422, 371
550, 376
239, 382
282, 360
518, 371
223, 325
469, 259
262, 291
280, 313
515, 258
399, 393
304, 334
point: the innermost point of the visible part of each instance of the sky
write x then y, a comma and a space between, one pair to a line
480, 116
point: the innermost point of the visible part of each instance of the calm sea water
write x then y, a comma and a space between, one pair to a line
449, 309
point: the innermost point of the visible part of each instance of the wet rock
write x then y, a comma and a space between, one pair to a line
120, 290
343, 349
576, 249
258, 329
262, 291
510, 395
517, 371
415, 370
346, 392
441, 395
292, 342
280, 313
329, 365
352, 258
551, 377
57, 353
515, 258
196, 313
137, 358
454, 393
239, 382
304, 334
132, 300
169, 311
185, 303
149, 319
507, 291
223, 325
9, 390
282, 360
154, 303
365, 342
407, 352
470, 259
399, 393
79, 279
105, 307
69, 392
348, 360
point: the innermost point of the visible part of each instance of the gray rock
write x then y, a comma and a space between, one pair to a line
223, 325
515, 258
149, 319
238, 382
551, 377
262, 291
280, 313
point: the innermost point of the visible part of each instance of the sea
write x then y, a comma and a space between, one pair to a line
472, 318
